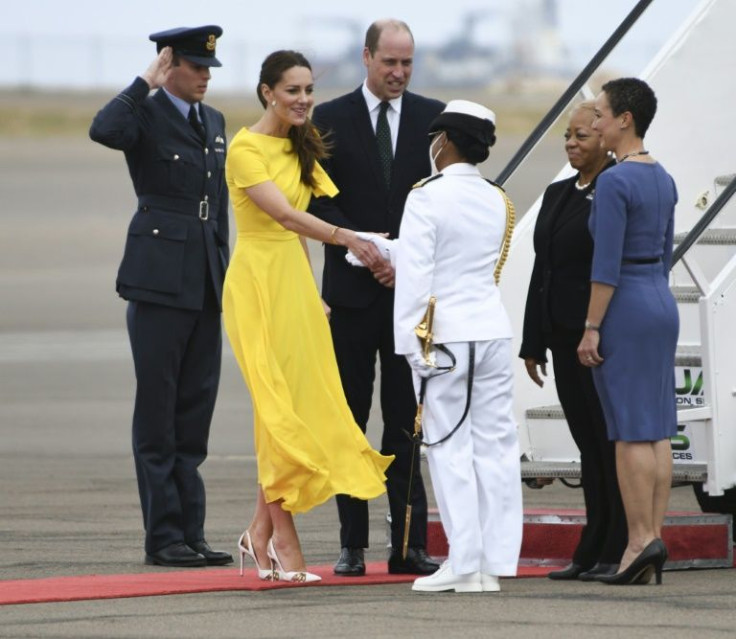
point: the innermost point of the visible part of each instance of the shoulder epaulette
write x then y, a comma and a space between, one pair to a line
426, 180
492, 183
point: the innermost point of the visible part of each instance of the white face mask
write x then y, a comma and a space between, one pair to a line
433, 158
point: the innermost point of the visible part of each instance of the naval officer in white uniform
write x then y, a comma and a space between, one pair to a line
451, 233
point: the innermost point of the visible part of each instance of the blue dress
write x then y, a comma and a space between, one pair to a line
632, 218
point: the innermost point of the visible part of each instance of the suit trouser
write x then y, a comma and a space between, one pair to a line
359, 334
476, 473
604, 536
177, 356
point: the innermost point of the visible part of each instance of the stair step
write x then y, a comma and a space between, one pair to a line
712, 236
694, 540
571, 470
725, 180
555, 411
686, 294
688, 355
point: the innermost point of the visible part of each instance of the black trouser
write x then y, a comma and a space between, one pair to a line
604, 537
359, 334
177, 356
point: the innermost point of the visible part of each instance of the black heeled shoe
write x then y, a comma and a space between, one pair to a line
568, 573
597, 571
649, 562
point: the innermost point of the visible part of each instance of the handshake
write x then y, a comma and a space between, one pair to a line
387, 248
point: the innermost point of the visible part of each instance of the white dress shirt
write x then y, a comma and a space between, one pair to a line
393, 114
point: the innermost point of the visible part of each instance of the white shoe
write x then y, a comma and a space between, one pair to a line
489, 582
444, 579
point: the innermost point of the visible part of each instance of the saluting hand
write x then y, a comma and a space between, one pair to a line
158, 71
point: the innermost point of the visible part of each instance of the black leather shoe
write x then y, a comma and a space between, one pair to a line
417, 562
213, 557
571, 571
351, 563
175, 556
598, 570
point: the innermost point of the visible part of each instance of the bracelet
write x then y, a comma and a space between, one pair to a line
591, 327
332, 235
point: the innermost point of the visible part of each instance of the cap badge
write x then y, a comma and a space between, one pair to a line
210, 42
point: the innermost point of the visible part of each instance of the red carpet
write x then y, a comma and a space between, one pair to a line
179, 582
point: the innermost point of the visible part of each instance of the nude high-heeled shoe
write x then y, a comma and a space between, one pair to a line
245, 546
294, 576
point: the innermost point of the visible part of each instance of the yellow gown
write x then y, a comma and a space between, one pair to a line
307, 443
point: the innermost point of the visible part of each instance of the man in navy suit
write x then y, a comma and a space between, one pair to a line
379, 134
171, 274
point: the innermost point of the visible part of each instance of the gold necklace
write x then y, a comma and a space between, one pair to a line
632, 154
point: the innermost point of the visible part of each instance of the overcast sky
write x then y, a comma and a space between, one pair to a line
87, 42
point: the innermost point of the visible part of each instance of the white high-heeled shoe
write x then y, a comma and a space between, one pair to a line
294, 576
265, 575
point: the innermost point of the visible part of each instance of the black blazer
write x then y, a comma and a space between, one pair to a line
364, 203
169, 248
559, 290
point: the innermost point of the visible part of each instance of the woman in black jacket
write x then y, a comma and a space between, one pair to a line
556, 307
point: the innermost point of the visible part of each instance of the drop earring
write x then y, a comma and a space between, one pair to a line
273, 104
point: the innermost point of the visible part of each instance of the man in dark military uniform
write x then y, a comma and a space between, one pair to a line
171, 274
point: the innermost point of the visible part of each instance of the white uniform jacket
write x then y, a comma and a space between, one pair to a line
451, 234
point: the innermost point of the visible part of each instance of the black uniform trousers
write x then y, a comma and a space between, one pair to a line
359, 334
604, 536
176, 353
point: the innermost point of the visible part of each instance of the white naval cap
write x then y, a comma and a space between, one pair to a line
469, 117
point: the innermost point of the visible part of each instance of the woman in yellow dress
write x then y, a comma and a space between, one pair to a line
308, 446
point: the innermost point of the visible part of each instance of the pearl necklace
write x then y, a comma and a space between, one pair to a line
581, 187
632, 154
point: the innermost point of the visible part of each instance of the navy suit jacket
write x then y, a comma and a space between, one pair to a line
169, 249
364, 203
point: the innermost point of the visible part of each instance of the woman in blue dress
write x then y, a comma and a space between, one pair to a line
632, 322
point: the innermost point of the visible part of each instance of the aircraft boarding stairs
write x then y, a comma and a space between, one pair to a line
702, 279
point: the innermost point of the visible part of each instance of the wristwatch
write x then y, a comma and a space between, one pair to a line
591, 327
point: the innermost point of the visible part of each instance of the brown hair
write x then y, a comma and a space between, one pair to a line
306, 141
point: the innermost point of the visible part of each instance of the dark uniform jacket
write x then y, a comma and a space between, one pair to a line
364, 203
179, 232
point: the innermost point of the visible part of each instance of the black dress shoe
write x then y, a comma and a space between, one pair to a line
213, 557
351, 563
417, 562
569, 572
597, 571
175, 556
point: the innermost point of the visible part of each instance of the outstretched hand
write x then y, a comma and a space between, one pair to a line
158, 71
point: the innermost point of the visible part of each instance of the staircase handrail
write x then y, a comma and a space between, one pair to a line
546, 123
704, 222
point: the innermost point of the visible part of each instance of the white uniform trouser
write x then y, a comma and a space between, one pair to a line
476, 473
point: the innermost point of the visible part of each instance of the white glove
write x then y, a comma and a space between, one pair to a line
387, 248
420, 366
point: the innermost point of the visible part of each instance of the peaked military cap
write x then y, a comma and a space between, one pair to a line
196, 44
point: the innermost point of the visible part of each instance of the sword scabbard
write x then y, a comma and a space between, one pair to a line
407, 521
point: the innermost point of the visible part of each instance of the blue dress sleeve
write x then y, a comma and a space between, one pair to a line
608, 227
